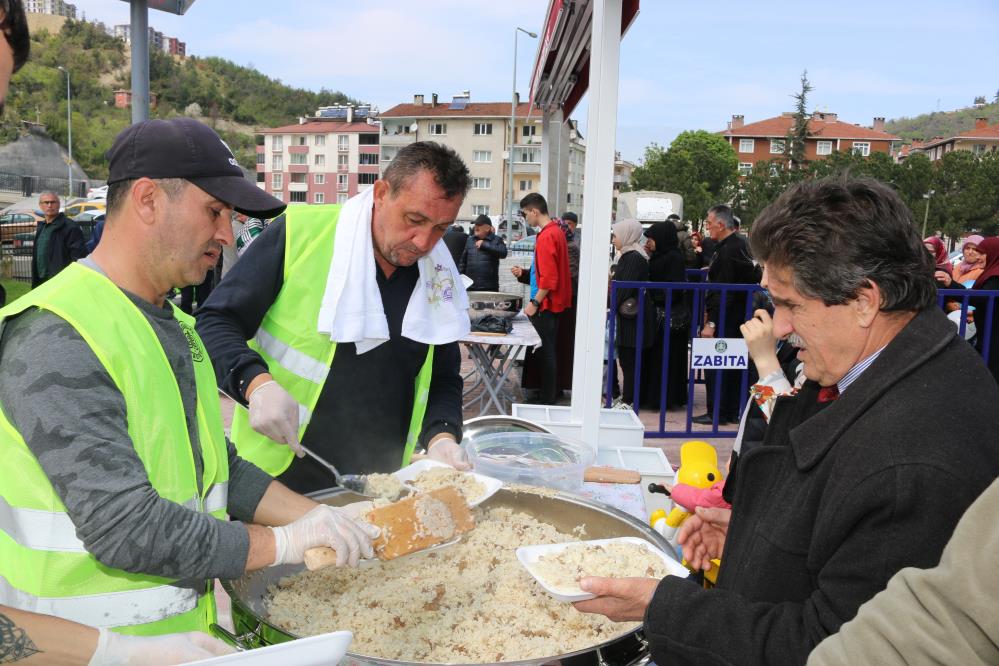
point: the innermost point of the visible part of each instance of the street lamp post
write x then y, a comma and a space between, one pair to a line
69, 124
513, 129
926, 211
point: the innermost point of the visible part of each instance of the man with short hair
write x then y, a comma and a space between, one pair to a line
551, 289
481, 257
118, 474
858, 475
58, 241
338, 328
730, 264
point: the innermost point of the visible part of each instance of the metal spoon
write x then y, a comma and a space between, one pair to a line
352, 482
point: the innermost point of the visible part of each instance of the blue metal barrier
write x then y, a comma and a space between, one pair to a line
985, 301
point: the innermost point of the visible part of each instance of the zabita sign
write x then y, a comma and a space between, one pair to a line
719, 354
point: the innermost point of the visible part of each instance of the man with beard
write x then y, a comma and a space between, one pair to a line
858, 475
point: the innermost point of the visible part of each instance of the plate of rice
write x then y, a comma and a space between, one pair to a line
425, 475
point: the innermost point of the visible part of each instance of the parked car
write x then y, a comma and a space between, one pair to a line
14, 223
74, 209
98, 192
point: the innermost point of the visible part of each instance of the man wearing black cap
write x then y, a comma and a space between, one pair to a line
482, 254
119, 476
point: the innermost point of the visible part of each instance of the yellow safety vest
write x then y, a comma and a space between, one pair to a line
297, 355
44, 567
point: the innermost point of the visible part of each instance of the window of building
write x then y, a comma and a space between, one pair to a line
277, 163
482, 129
277, 142
298, 140
298, 177
480, 209
368, 158
320, 139
277, 181
530, 130
437, 129
341, 161
298, 197
481, 183
568, 198
823, 148
319, 160
319, 179
367, 178
861, 148
482, 156
367, 139
528, 156
745, 168
299, 158
341, 198
978, 149
278, 194
341, 182
747, 145
525, 185
319, 197
261, 177
342, 142
261, 158
776, 146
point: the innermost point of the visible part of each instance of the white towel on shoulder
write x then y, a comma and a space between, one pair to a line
352, 309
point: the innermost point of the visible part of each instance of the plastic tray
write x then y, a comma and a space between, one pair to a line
312, 651
409, 473
528, 555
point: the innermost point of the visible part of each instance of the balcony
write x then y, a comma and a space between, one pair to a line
343, 168
341, 148
298, 168
301, 150
341, 187
298, 187
400, 139
527, 167
368, 148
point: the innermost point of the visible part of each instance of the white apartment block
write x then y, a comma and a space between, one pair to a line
319, 160
54, 7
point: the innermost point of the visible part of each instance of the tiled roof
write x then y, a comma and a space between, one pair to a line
817, 129
479, 110
990, 133
321, 127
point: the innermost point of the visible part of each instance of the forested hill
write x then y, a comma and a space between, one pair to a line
942, 123
231, 98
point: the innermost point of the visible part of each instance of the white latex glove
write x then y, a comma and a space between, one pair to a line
338, 528
274, 413
120, 650
448, 451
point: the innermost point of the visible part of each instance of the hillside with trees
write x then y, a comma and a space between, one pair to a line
943, 123
232, 98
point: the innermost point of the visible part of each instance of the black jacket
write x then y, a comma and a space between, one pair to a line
633, 267
482, 263
731, 263
65, 246
837, 500
455, 238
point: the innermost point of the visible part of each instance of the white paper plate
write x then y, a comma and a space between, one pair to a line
529, 555
312, 651
409, 473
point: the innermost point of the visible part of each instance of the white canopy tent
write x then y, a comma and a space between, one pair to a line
580, 50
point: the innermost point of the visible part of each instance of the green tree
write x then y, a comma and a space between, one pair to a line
798, 134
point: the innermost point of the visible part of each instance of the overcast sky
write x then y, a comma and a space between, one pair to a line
684, 65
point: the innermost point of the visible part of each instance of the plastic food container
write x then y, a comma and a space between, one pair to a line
531, 458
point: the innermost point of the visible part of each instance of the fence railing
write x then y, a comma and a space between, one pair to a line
695, 294
30, 185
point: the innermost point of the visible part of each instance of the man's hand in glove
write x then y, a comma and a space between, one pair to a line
338, 528
447, 450
274, 413
119, 650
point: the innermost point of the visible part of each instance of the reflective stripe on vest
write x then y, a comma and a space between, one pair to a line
297, 355
43, 564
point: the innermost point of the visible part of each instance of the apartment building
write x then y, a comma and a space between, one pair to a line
323, 159
575, 172
480, 133
766, 139
53, 7
983, 138
157, 40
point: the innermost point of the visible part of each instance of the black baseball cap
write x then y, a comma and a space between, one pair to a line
188, 149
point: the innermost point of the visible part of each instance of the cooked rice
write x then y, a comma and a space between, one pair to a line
433, 518
384, 486
441, 477
470, 603
562, 570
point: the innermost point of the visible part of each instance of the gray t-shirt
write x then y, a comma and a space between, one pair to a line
73, 418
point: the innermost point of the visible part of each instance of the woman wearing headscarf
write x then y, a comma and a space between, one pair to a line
973, 263
632, 266
988, 281
667, 264
938, 251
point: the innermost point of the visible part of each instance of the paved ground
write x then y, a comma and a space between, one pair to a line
675, 420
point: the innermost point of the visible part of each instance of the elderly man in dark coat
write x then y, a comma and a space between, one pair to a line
858, 475
481, 257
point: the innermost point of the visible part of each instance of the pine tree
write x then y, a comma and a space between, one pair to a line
794, 147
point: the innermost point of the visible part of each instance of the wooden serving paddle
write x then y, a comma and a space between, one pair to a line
605, 474
409, 525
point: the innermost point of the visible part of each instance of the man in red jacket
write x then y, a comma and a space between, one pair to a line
551, 288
